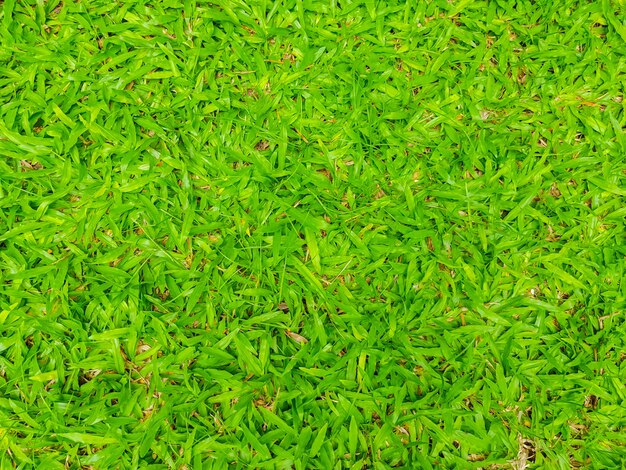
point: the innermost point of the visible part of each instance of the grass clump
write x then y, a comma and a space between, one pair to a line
312, 234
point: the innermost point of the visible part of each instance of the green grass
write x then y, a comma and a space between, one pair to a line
312, 234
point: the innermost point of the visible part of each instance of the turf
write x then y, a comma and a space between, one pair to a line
312, 234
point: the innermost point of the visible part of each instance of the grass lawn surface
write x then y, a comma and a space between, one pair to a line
312, 234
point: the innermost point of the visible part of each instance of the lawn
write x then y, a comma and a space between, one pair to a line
312, 234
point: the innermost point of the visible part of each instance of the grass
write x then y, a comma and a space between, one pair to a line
312, 234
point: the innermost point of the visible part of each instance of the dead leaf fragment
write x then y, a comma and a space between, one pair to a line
296, 337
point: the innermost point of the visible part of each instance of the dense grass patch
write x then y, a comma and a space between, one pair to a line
312, 234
